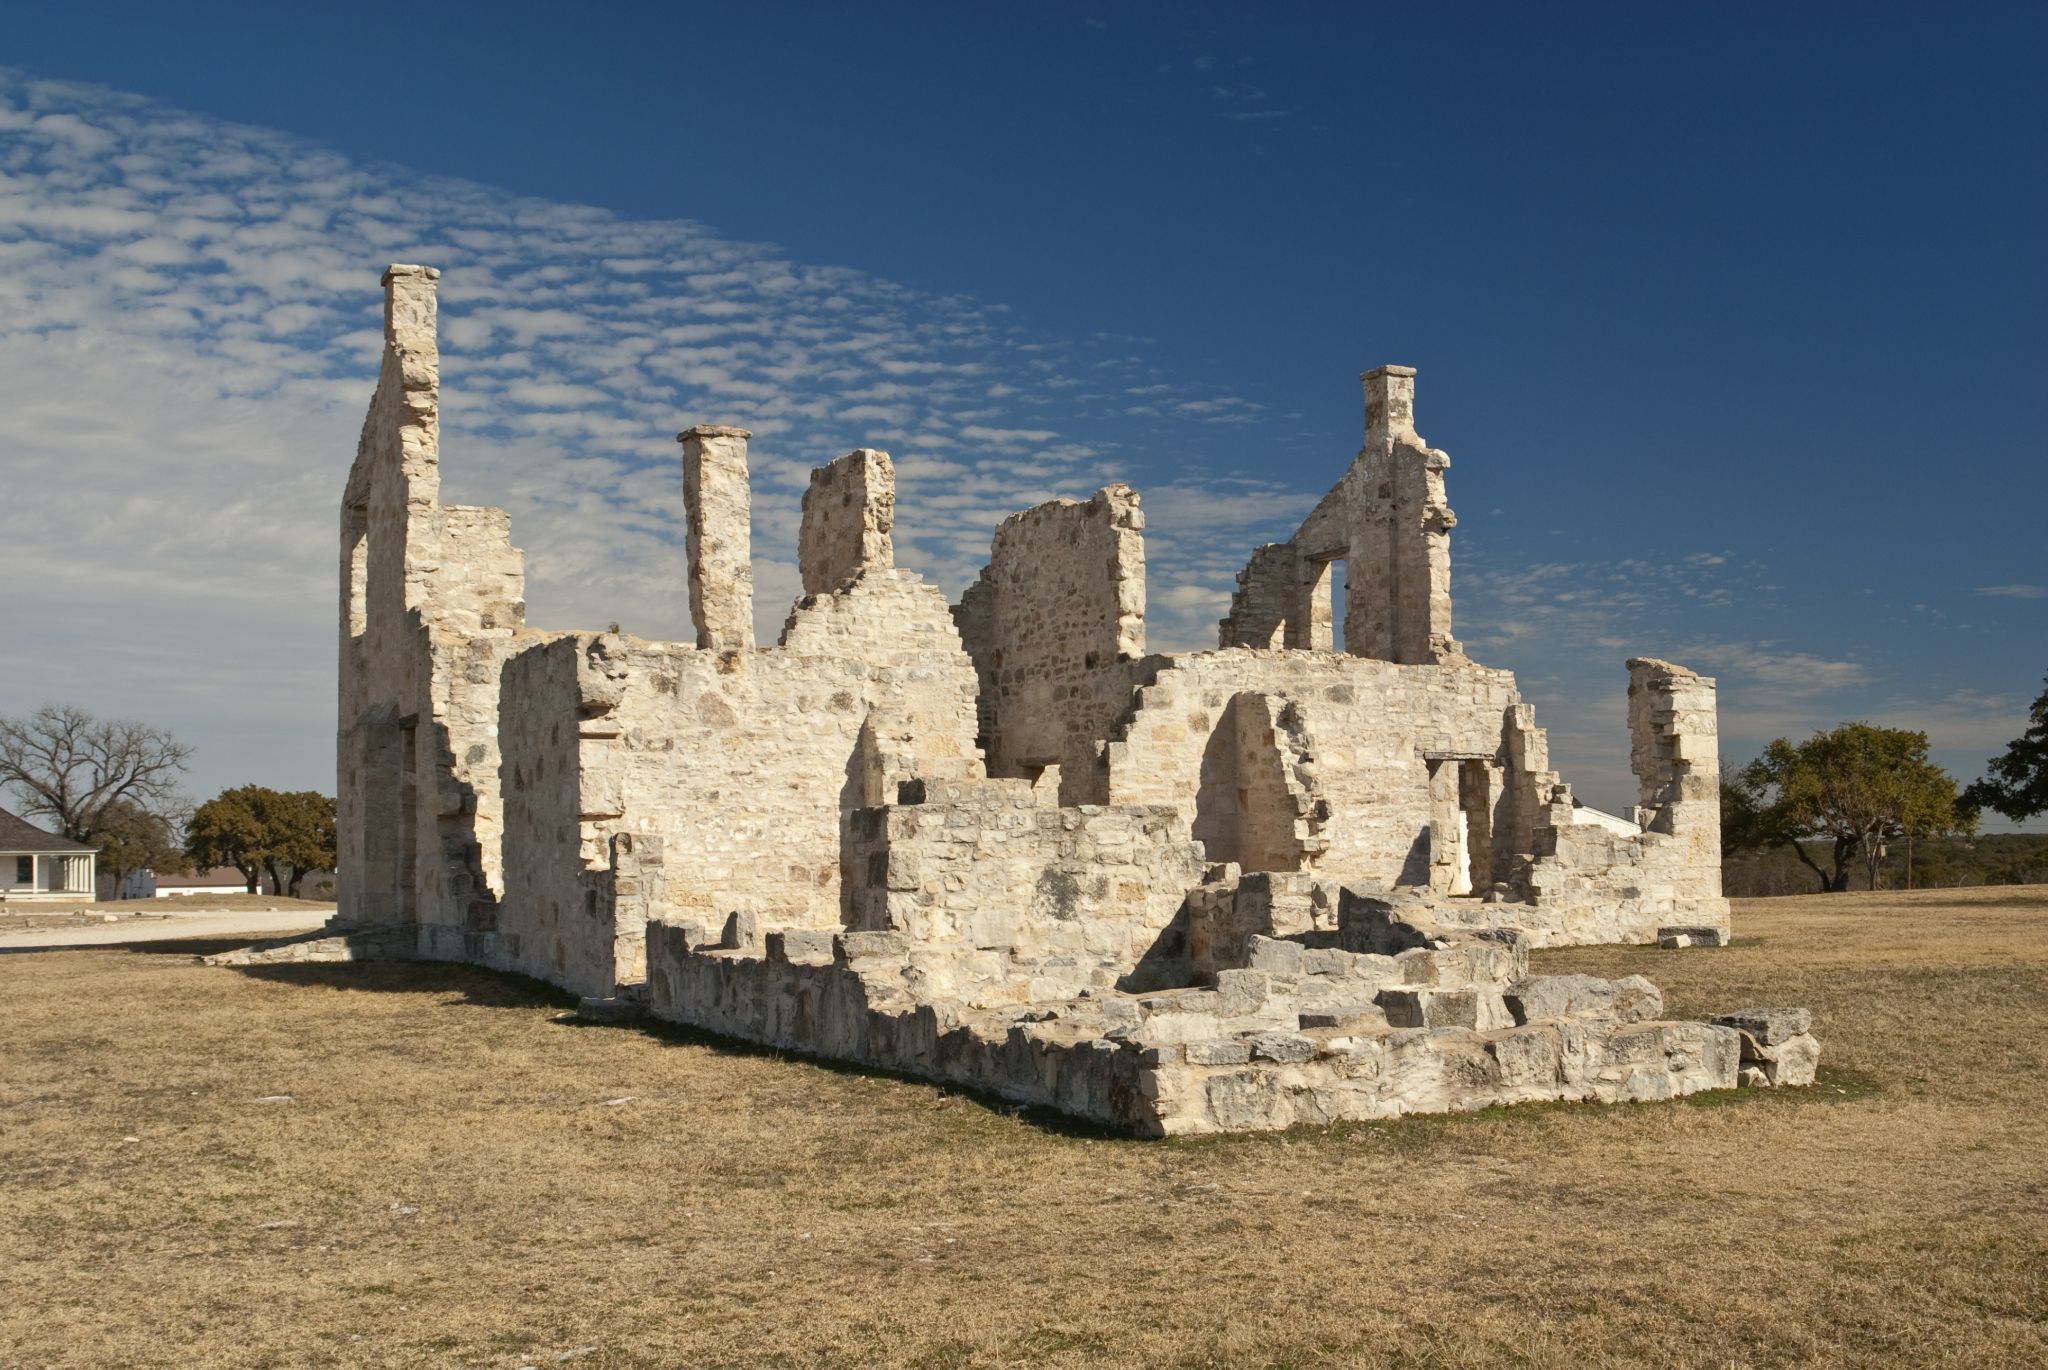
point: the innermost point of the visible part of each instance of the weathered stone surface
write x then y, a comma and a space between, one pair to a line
1769, 1026
1540, 997
999, 843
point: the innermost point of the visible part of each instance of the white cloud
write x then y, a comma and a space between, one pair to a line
189, 334
2014, 591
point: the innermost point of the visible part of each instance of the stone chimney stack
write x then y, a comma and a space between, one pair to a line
410, 310
1389, 402
718, 506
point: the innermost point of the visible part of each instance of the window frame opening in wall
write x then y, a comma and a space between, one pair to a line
1475, 815
358, 570
1321, 606
1461, 809
25, 870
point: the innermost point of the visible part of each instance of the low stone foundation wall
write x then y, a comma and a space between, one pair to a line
1304, 1034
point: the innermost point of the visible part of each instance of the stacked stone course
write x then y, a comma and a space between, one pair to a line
1001, 844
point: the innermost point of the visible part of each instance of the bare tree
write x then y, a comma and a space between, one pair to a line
74, 768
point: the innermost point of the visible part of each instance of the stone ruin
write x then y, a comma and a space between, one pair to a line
999, 843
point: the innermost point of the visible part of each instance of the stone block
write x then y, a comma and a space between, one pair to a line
1283, 1047
1543, 997
1221, 1051
1769, 1026
1430, 1008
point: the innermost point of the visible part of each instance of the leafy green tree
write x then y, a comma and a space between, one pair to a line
257, 830
134, 838
1741, 816
1855, 788
2016, 784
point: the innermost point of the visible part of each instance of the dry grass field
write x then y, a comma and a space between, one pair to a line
458, 1177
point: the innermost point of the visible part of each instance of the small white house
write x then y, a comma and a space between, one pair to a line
41, 866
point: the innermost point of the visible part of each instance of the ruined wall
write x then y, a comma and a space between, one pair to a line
1310, 1035
1376, 727
1038, 901
432, 602
1388, 519
742, 763
1629, 886
1267, 609
849, 512
1398, 573
1060, 605
1260, 805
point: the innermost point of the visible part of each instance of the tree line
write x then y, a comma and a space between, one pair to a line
113, 783
1841, 801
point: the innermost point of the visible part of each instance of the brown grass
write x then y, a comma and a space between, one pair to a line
449, 1186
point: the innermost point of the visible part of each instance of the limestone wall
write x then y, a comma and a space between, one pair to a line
743, 762
432, 602
849, 512
1040, 901
1303, 1035
1060, 607
1377, 729
1389, 520
717, 504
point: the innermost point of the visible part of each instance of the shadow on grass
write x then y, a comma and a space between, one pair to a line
1039, 1116
469, 986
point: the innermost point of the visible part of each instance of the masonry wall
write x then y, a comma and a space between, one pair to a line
849, 515
431, 604
1057, 617
1376, 728
743, 764
1037, 901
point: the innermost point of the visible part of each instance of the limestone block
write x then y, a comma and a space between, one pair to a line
1430, 1008
1221, 1051
1284, 1047
1543, 997
1769, 1026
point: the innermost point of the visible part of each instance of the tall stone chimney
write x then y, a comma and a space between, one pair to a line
718, 508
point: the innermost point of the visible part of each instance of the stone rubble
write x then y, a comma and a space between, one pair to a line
1000, 843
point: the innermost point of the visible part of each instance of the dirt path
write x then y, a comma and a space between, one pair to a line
19, 932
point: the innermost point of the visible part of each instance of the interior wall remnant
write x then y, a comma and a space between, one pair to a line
1057, 613
849, 513
1388, 520
1674, 750
1257, 805
433, 600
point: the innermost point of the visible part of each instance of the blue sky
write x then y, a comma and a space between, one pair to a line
1730, 318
